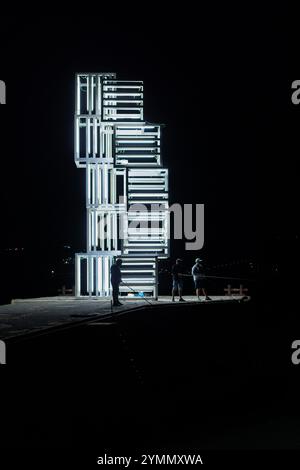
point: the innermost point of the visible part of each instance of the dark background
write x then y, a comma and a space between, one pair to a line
220, 81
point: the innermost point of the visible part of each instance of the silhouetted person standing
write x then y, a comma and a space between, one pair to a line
177, 272
199, 279
116, 279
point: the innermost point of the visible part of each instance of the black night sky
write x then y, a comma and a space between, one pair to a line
220, 82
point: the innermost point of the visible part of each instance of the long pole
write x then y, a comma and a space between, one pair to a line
127, 285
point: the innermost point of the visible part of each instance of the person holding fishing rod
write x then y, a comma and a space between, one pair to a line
177, 275
116, 279
199, 279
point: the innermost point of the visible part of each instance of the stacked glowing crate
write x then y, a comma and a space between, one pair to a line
121, 155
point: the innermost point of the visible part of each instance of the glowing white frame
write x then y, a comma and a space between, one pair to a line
112, 141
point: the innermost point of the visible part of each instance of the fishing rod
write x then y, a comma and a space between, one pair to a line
228, 278
221, 277
135, 292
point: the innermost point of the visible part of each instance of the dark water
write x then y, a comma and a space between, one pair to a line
193, 379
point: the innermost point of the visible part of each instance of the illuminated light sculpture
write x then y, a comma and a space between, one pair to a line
124, 180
